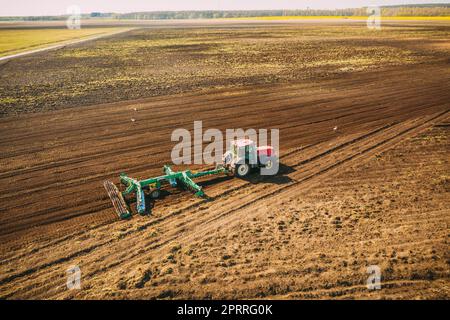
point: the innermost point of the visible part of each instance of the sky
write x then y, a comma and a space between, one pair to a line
57, 7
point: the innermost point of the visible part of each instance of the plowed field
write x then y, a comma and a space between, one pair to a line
372, 192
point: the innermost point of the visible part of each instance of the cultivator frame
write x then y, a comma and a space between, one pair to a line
133, 186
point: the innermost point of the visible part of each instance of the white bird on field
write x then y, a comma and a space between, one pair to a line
133, 120
335, 128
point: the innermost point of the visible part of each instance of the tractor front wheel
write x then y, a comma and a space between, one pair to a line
242, 170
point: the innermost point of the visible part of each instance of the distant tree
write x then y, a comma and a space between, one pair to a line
388, 11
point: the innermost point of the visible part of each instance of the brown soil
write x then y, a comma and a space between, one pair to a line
319, 210
159, 61
374, 192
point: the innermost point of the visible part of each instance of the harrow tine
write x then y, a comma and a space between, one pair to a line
135, 187
117, 200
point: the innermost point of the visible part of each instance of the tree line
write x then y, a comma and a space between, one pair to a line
427, 10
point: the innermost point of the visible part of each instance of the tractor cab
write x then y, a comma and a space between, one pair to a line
244, 150
244, 155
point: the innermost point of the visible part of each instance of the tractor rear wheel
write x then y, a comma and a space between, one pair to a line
269, 164
242, 170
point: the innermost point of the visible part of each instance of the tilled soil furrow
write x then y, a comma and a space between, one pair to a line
209, 223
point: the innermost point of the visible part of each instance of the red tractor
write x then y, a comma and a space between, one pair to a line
244, 156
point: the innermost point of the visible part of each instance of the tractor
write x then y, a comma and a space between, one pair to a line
244, 156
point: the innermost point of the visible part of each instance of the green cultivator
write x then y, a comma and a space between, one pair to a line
243, 157
153, 185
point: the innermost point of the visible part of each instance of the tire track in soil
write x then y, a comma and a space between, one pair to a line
106, 203
71, 184
390, 111
366, 143
108, 123
75, 234
141, 228
314, 174
283, 105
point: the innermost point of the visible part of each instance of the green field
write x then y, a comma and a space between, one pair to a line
14, 41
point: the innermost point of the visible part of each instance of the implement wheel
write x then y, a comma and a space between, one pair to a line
155, 194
